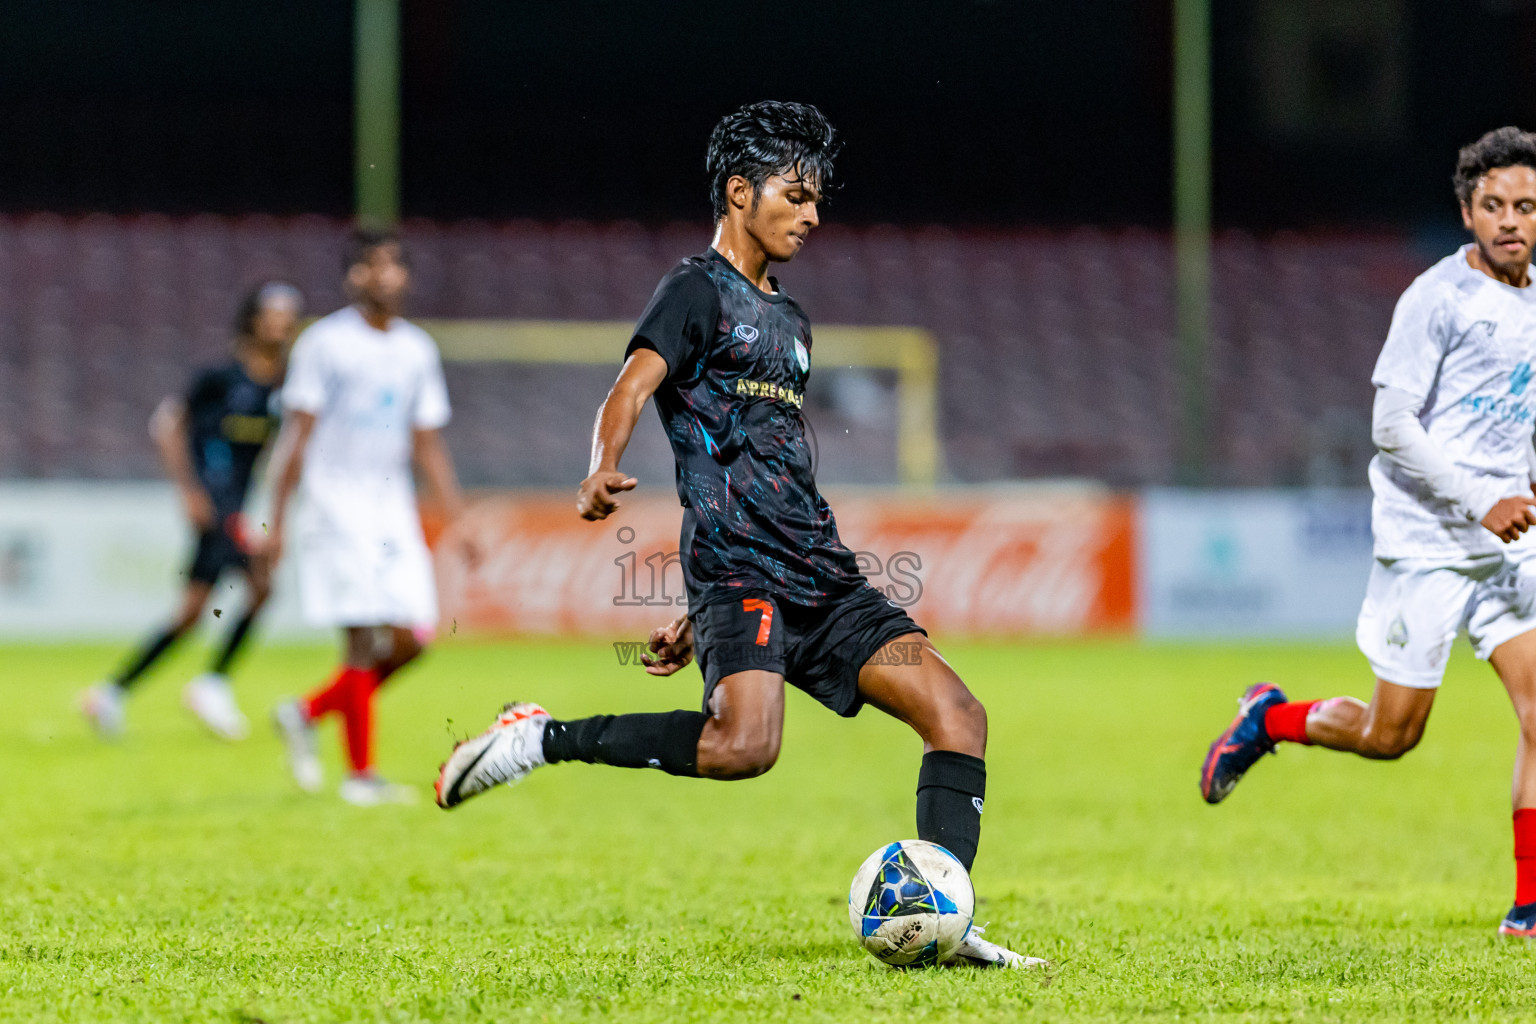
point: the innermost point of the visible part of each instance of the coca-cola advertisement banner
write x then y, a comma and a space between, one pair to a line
1029, 560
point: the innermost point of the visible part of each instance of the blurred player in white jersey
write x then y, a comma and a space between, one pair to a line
1452, 421
364, 398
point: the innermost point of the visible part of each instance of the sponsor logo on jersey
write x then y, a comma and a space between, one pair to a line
1519, 377
976, 803
1501, 408
239, 429
768, 389
746, 332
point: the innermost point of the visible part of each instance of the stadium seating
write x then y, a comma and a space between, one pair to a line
1056, 347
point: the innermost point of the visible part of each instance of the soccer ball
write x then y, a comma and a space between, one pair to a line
911, 904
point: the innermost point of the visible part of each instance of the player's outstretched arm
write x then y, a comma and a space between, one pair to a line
643, 373
287, 467
168, 427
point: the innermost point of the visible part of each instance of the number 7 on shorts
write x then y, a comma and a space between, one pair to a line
765, 624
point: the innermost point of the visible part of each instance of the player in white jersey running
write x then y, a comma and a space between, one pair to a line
364, 398
1452, 422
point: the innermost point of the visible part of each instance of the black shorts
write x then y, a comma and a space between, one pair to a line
216, 551
819, 650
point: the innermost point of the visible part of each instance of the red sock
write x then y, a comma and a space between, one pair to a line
1289, 721
359, 719
1525, 856
350, 693
333, 696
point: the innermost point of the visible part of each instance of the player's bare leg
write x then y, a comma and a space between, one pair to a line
1515, 662
395, 648
927, 694
742, 736
913, 682
1383, 730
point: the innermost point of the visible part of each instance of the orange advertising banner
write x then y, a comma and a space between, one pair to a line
960, 562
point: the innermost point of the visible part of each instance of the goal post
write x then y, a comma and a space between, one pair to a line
909, 351
1192, 232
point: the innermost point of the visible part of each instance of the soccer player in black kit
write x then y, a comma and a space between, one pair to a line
773, 594
209, 442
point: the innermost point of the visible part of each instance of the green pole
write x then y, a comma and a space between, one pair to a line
1192, 229
376, 114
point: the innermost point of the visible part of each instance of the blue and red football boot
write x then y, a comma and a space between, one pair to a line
1244, 742
1520, 921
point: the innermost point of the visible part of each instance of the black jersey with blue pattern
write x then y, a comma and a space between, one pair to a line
230, 418
737, 363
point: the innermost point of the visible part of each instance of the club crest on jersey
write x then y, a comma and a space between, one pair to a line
746, 332
1397, 633
802, 357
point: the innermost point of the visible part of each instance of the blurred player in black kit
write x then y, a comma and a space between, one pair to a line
209, 442
773, 594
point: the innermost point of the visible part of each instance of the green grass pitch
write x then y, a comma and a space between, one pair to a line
172, 877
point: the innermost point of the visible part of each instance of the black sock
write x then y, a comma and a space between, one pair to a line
232, 644
157, 645
950, 789
669, 741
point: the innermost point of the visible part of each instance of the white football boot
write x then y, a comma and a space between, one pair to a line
977, 951
506, 752
369, 790
102, 705
298, 735
213, 702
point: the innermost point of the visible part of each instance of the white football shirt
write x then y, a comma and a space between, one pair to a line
368, 391
1465, 344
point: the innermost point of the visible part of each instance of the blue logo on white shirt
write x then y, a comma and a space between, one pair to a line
1505, 407
1519, 378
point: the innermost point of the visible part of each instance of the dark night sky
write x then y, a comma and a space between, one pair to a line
974, 111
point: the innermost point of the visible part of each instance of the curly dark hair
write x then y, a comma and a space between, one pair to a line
362, 242
1502, 147
768, 138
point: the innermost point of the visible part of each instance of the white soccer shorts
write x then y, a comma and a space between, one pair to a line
367, 578
1414, 607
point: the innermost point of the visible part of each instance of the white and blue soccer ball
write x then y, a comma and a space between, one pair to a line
911, 904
